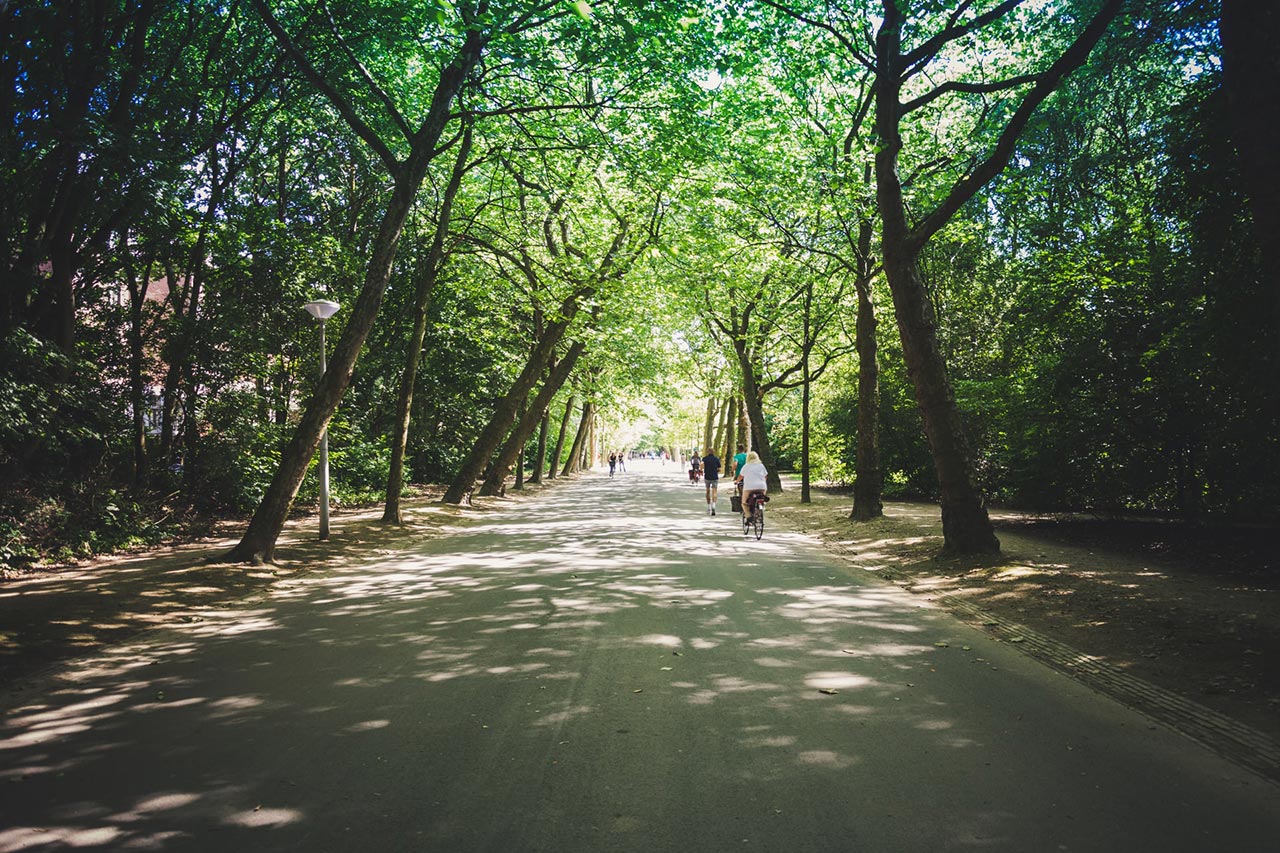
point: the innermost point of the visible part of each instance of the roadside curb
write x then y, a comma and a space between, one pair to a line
1229, 738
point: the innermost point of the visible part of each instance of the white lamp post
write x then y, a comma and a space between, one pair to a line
323, 309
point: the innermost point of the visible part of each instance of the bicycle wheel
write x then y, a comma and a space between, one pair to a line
757, 521
746, 524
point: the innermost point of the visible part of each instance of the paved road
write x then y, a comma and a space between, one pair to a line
606, 668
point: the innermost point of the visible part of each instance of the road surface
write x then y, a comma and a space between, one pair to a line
602, 668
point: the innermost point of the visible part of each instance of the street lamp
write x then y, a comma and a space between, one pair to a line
323, 309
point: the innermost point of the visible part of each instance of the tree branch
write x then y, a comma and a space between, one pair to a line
927, 51
863, 59
341, 104
368, 78
967, 187
967, 88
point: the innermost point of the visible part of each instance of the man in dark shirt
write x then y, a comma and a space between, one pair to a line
711, 472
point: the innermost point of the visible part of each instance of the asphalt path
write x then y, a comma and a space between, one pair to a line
603, 668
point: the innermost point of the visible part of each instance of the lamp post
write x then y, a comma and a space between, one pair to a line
323, 309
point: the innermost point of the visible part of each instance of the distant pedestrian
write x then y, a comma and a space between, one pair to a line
711, 473
613, 463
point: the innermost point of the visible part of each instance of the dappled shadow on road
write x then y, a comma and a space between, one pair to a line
58, 613
1189, 609
644, 666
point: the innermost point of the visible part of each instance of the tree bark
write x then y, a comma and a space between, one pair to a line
504, 414
806, 378
519, 437
258, 543
540, 463
137, 400
590, 453
426, 288
720, 442
755, 414
709, 425
966, 525
735, 438
520, 449
574, 462
868, 482
554, 465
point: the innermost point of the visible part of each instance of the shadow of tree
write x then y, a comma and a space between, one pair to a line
557, 675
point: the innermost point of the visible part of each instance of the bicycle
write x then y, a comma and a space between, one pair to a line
753, 521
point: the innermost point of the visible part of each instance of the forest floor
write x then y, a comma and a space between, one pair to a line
1194, 611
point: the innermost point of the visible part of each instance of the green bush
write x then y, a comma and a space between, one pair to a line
236, 457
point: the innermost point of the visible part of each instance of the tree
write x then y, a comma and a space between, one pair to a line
258, 543
426, 286
966, 525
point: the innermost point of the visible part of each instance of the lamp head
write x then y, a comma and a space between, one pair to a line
322, 309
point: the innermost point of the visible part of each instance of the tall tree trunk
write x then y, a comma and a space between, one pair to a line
258, 543
730, 436
574, 462
426, 288
504, 414
755, 414
589, 461
520, 449
137, 395
719, 441
62, 322
804, 437
554, 465
540, 463
806, 379
868, 482
709, 425
965, 524
519, 437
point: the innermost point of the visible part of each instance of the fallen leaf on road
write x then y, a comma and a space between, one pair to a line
849, 651
828, 691
942, 645
666, 669
677, 654
637, 690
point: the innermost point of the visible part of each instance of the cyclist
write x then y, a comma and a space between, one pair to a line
711, 472
754, 481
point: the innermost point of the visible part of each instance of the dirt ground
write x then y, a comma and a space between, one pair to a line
1195, 612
